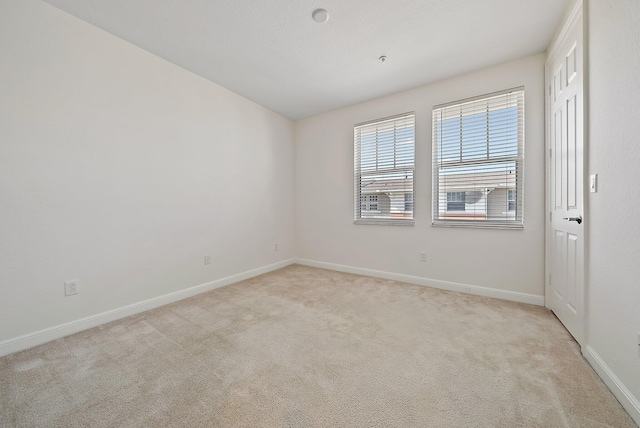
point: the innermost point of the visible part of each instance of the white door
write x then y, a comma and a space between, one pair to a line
564, 293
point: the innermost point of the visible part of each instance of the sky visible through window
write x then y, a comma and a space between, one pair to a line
387, 155
464, 142
387, 150
478, 152
460, 140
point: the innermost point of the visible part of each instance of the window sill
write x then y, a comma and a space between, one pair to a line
385, 222
478, 224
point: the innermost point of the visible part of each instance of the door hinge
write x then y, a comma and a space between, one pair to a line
550, 215
549, 279
549, 90
550, 153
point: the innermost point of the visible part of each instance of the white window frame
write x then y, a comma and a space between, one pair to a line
390, 162
478, 147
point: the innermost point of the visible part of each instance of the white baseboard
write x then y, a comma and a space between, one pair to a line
619, 390
9, 346
30, 340
434, 283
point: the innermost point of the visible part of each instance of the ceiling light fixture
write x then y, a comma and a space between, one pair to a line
383, 58
320, 16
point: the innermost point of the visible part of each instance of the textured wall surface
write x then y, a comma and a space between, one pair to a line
122, 170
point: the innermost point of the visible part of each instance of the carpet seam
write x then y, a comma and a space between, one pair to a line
182, 348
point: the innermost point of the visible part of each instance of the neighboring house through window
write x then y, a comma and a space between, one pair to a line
369, 204
384, 163
478, 159
455, 201
408, 202
511, 200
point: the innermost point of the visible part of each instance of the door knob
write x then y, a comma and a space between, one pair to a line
576, 219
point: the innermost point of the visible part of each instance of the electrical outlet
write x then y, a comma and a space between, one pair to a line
275, 247
71, 287
207, 259
423, 257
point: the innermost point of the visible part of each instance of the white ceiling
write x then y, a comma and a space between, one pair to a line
272, 52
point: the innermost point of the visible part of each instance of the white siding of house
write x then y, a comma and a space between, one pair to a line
498, 207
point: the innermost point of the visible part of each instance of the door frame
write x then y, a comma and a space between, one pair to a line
576, 11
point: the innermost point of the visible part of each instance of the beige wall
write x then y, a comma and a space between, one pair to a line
510, 260
122, 170
613, 234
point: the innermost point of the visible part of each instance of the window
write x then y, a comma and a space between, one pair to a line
384, 152
373, 203
478, 159
369, 203
408, 202
511, 200
455, 201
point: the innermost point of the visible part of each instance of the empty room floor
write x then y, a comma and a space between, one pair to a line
303, 346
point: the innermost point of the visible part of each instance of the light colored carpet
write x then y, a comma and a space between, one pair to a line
309, 347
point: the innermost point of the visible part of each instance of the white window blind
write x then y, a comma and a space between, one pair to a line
478, 160
384, 158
